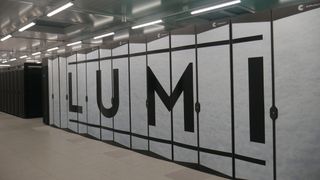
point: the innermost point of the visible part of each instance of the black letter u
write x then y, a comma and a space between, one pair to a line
115, 100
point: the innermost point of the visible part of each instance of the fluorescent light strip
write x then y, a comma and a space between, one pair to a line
216, 7
104, 35
36, 53
27, 27
147, 24
7, 37
66, 6
4, 65
13, 59
52, 49
22, 57
75, 43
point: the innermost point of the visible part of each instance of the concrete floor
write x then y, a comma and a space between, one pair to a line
30, 150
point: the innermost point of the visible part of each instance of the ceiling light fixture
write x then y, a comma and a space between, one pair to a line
75, 43
104, 35
22, 57
66, 6
216, 7
52, 49
36, 53
4, 65
13, 59
5, 61
147, 24
7, 37
27, 27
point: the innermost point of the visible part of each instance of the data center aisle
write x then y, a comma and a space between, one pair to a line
30, 150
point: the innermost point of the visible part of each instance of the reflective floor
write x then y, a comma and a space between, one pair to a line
30, 150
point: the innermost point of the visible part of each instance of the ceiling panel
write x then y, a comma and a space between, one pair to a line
89, 18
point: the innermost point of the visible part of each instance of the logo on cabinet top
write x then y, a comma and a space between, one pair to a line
301, 7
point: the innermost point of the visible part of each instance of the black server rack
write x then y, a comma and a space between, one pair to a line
21, 90
1, 90
45, 94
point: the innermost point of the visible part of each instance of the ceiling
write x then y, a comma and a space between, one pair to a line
89, 18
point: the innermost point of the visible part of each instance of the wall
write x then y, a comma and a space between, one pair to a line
211, 97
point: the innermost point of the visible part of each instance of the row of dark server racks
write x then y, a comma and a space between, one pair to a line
20, 90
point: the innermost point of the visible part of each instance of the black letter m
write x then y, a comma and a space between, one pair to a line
185, 85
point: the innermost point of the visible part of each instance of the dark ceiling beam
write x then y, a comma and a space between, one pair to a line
35, 38
246, 8
47, 29
103, 13
20, 1
225, 12
10, 51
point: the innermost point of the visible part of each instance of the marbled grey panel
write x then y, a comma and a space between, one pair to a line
138, 96
243, 145
106, 86
161, 43
137, 47
50, 77
297, 64
63, 92
182, 40
72, 115
104, 53
82, 117
214, 97
56, 99
217, 34
160, 65
180, 61
216, 162
93, 110
122, 119
297, 97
